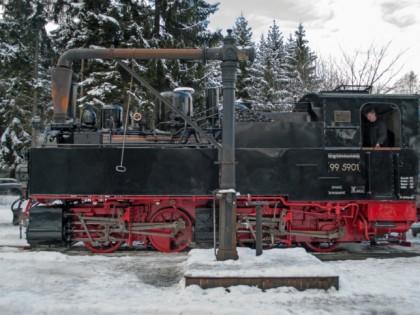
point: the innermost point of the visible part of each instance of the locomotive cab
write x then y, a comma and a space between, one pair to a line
353, 169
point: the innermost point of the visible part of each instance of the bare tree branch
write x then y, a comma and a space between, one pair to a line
372, 67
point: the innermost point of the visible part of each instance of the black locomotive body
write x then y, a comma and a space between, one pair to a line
319, 184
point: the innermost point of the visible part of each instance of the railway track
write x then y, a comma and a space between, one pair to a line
358, 253
348, 255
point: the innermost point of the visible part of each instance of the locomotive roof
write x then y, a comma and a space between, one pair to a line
370, 96
317, 97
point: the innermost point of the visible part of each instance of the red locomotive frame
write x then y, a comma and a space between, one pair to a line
167, 223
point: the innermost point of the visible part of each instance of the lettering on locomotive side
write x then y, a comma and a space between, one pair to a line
335, 156
357, 189
336, 190
339, 190
407, 197
343, 167
343, 162
342, 116
407, 182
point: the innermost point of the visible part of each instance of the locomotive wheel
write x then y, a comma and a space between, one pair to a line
323, 246
177, 242
103, 248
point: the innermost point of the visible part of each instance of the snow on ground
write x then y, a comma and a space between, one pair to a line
43, 282
289, 262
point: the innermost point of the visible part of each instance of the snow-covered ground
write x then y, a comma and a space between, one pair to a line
53, 283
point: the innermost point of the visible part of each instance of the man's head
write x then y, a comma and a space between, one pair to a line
370, 115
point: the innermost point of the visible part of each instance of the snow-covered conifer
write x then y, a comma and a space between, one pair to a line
269, 80
89, 24
243, 35
25, 59
14, 143
181, 24
301, 63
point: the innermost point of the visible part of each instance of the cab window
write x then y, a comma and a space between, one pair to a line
381, 125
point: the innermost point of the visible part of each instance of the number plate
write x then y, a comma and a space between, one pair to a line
343, 162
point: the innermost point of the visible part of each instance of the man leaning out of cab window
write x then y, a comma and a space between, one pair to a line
377, 135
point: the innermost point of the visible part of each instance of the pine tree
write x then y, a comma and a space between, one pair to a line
293, 74
213, 75
243, 36
301, 61
276, 72
137, 24
269, 77
181, 24
22, 29
256, 85
92, 24
24, 63
14, 143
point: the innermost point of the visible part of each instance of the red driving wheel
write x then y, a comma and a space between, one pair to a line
103, 247
171, 243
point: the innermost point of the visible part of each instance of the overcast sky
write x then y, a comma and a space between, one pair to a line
332, 25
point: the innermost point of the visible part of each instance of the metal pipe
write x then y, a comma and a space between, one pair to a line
60, 93
369, 172
258, 234
397, 182
228, 132
258, 239
136, 53
62, 73
227, 217
111, 53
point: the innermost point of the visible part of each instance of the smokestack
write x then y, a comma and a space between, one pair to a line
61, 85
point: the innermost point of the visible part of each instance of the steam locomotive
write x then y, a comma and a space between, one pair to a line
106, 182
303, 177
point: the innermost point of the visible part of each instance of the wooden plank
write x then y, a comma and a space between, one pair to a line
300, 283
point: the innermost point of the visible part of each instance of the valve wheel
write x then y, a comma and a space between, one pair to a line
137, 116
177, 242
